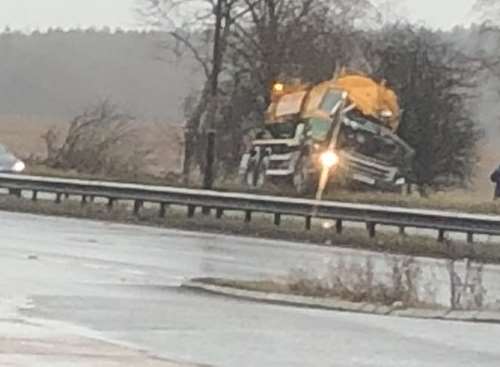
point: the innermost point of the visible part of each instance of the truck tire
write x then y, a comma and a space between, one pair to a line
304, 179
255, 176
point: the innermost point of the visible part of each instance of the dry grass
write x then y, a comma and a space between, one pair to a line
352, 283
38, 169
456, 200
453, 200
24, 137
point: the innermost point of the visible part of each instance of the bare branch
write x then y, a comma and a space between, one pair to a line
195, 52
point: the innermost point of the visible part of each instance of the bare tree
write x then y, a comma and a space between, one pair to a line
201, 27
255, 39
487, 10
101, 140
303, 39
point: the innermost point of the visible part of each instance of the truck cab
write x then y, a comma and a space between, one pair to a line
313, 128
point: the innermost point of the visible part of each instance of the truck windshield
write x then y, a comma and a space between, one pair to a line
331, 98
283, 130
319, 128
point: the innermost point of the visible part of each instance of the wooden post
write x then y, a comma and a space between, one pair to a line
208, 179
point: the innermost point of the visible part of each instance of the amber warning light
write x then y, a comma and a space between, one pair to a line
278, 87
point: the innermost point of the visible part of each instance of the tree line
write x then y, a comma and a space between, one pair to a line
56, 74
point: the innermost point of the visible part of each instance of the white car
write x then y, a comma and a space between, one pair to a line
9, 162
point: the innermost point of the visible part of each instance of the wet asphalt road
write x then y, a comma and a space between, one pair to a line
123, 281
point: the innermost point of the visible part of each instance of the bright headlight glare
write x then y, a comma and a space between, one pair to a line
329, 159
18, 167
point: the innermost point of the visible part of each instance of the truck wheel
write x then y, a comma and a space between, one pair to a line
255, 176
304, 180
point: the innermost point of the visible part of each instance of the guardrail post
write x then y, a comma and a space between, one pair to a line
138, 206
34, 196
111, 201
339, 226
58, 198
277, 219
441, 235
470, 237
219, 212
371, 229
163, 210
191, 211
248, 216
84, 200
402, 231
308, 223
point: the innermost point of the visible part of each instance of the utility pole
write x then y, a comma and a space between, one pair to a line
210, 133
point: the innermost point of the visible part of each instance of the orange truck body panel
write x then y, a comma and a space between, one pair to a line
369, 97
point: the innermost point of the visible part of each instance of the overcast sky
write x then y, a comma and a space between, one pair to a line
40, 14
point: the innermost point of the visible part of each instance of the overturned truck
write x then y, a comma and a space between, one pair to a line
345, 127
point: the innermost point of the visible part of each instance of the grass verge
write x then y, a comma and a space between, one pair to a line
262, 227
401, 294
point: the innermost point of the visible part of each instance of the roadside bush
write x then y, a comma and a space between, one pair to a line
100, 141
356, 282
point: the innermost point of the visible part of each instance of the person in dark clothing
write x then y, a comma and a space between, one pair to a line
495, 177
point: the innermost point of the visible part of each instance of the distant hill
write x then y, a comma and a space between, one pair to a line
56, 74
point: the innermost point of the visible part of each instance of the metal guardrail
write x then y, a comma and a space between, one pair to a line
371, 215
